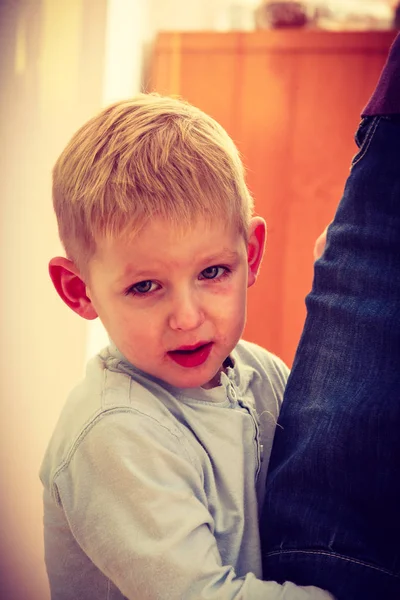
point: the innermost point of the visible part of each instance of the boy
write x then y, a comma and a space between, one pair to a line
154, 474
331, 515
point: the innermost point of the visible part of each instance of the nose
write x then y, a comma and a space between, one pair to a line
186, 313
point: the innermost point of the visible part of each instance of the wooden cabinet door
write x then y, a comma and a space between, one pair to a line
291, 100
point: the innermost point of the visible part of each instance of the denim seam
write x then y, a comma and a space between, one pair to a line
108, 588
367, 142
334, 555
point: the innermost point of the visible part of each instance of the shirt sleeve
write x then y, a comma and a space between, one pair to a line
134, 498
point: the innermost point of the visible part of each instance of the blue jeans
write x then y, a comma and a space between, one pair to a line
332, 511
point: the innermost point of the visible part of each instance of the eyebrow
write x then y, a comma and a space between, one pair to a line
225, 254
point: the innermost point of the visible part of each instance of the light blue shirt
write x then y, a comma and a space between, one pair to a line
153, 492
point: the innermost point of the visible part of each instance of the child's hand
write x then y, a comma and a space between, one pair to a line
320, 244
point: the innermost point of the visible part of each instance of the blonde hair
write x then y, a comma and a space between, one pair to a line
145, 157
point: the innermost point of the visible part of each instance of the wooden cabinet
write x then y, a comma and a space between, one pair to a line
291, 100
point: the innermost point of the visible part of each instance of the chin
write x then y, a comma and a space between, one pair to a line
194, 380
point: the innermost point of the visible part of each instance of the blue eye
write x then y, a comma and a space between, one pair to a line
143, 287
213, 272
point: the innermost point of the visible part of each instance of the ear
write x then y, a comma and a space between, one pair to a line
71, 287
255, 248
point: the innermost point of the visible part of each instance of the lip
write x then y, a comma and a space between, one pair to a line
191, 356
190, 348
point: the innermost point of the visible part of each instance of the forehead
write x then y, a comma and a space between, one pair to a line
160, 245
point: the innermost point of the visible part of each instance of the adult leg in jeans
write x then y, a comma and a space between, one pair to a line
332, 510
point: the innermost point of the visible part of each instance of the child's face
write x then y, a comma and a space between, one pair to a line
175, 303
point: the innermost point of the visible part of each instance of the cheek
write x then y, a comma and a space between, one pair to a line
118, 322
233, 319
139, 330
230, 302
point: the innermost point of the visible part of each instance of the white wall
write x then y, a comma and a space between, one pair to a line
51, 66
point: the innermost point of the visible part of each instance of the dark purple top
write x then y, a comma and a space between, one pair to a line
386, 98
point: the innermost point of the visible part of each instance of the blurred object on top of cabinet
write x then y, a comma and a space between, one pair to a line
291, 99
335, 15
284, 13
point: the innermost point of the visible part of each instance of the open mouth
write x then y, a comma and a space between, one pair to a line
191, 356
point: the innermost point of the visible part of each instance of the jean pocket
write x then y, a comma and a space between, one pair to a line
363, 137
